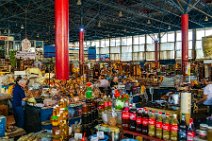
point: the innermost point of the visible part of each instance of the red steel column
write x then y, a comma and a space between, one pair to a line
62, 38
184, 29
81, 50
156, 53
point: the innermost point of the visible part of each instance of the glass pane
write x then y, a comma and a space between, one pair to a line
167, 46
118, 41
123, 41
129, 40
150, 56
107, 42
190, 45
198, 44
113, 42
179, 36
104, 50
97, 50
149, 40
199, 53
165, 55
126, 57
150, 47
178, 45
164, 38
200, 34
171, 37
114, 56
115, 50
126, 49
190, 54
142, 39
208, 32
136, 40
138, 48
190, 35
97, 42
178, 54
138, 56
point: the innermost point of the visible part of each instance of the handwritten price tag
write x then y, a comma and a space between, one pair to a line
100, 135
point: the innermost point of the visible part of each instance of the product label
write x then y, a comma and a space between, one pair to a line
139, 120
145, 121
132, 116
109, 103
125, 115
106, 104
166, 126
190, 136
159, 124
151, 121
174, 127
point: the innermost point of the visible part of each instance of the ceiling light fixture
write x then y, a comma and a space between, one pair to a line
5, 31
22, 26
79, 2
148, 22
120, 14
206, 18
169, 27
99, 24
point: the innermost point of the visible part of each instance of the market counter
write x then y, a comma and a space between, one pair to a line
35, 116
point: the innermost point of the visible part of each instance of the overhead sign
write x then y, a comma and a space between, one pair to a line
25, 44
25, 55
6, 38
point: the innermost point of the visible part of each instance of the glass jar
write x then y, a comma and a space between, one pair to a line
209, 133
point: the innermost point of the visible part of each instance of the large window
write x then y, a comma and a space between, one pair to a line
141, 47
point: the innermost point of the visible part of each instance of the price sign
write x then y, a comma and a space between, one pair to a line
100, 135
78, 136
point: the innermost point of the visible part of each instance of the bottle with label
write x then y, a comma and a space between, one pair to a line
166, 127
125, 117
133, 118
151, 125
182, 129
158, 125
190, 131
139, 121
174, 128
145, 122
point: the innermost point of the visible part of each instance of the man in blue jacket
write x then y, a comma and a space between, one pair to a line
17, 99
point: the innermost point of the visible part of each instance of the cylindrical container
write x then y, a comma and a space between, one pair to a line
185, 104
209, 133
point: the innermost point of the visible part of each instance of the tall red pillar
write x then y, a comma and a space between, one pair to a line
157, 46
81, 50
62, 38
184, 29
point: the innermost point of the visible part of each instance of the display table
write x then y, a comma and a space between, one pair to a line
5, 97
139, 134
17, 133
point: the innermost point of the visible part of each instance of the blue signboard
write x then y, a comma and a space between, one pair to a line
92, 53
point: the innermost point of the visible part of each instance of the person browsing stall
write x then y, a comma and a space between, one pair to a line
207, 96
114, 82
18, 97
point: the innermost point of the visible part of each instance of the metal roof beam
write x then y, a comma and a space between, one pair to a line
132, 12
199, 10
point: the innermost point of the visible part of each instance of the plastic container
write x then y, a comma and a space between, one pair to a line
2, 126
105, 139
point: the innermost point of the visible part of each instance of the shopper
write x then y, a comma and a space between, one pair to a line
104, 85
18, 97
114, 82
207, 97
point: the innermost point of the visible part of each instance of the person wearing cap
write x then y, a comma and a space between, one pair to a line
17, 98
